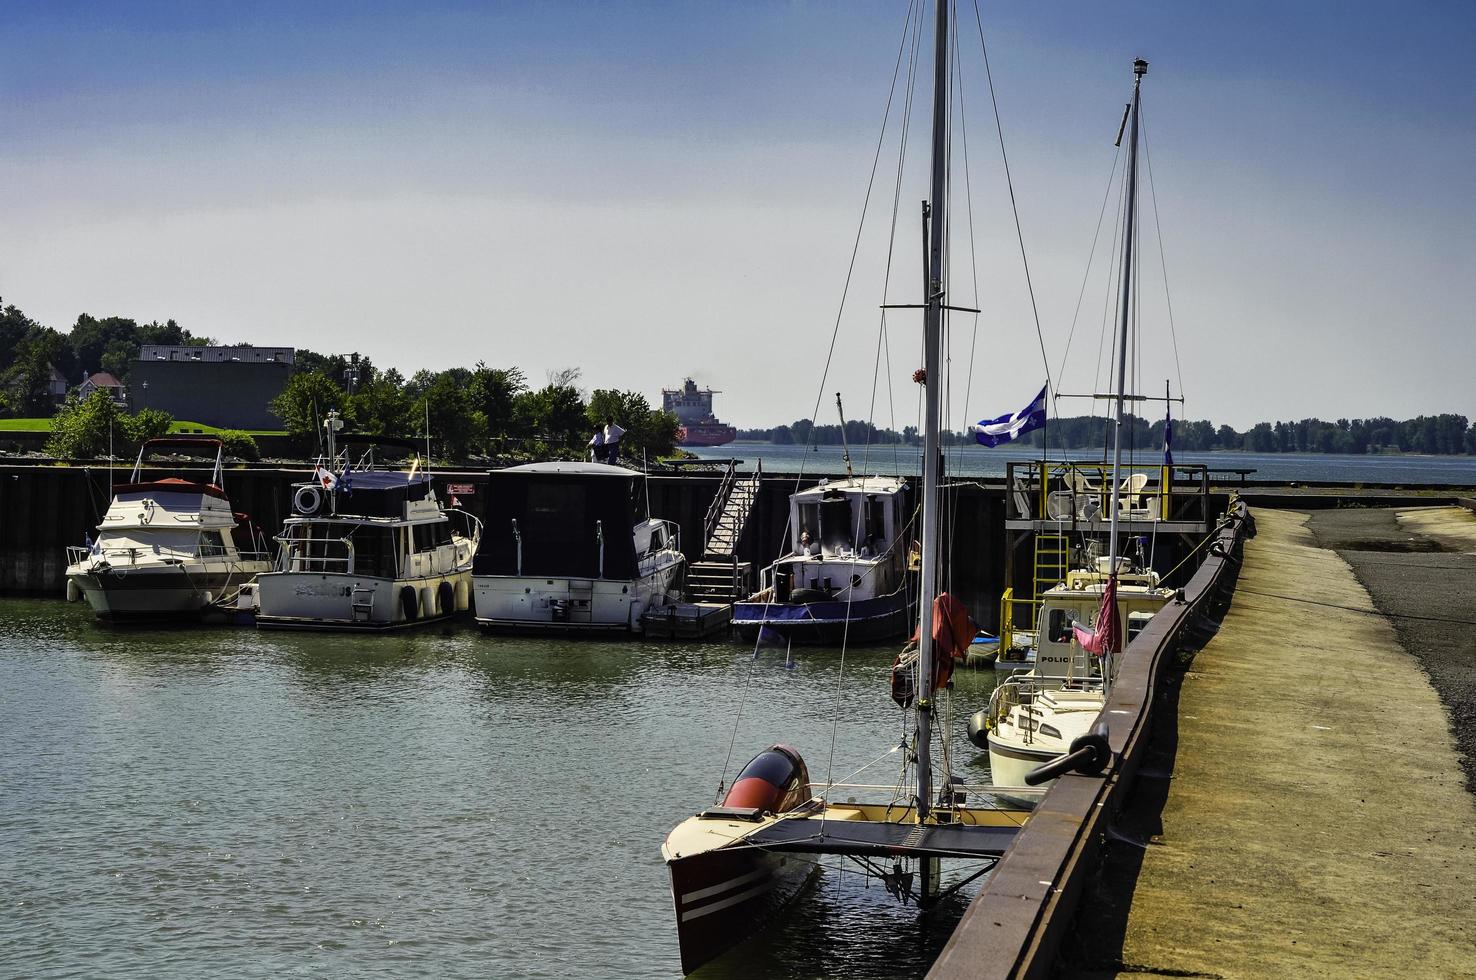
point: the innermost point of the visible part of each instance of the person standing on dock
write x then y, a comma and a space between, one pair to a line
597, 446
612, 436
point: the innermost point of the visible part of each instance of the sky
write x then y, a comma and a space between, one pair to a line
652, 191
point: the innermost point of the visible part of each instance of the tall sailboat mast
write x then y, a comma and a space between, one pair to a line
932, 345
1140, 68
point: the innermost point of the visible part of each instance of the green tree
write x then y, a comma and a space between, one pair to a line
554, 415
455, 418
304, 402
85, 428
646, 430
384, 407
496, 390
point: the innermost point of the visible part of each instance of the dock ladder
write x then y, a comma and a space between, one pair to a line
1052, 561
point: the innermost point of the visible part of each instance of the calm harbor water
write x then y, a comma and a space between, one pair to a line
225, 802
975, 460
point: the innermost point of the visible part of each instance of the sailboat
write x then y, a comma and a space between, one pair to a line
1036, 715
735, 865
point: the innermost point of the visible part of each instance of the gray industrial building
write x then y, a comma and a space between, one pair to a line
229, 387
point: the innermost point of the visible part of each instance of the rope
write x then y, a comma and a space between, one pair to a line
1009, 182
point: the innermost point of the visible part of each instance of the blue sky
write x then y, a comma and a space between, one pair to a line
653, 190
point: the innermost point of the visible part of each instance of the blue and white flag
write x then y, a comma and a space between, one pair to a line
1008, 428
1168, 436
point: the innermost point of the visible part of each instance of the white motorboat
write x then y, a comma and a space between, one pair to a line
572, 547
166, 547
367, 549
845, 574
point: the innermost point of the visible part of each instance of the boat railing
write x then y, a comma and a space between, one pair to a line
719, 501
1010, 616
294, 560
1068, 491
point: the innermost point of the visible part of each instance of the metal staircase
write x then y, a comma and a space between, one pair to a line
720, 576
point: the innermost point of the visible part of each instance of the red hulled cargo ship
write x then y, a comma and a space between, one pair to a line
693, 408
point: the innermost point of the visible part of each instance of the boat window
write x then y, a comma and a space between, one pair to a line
211, 545
876, 523
809, 520
429, 537
836, 533
1059, 625
374, 551
318, 547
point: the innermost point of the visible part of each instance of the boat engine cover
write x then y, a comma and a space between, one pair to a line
776, 780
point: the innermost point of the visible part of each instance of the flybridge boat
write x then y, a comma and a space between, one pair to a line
845, 573
367, 549
572, 547
167, 547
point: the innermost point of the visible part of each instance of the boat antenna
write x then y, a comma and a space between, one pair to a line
937, 288
427, 436
1140, 68
845, 448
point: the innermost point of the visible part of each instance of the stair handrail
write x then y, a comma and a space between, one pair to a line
715, 509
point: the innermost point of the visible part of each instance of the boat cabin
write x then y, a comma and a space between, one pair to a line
569, 520
1057, 654
837, 531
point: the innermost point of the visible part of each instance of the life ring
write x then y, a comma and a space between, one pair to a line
307, 500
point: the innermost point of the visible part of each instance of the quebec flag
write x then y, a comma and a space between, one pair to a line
1008, 428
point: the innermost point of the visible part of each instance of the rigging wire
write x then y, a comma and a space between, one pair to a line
1162, 261
1009, 182
835, 331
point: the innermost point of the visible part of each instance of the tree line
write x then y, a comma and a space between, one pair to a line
482, 410
1436, 435
29, 351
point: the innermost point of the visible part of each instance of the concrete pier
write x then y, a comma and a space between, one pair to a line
1314, 818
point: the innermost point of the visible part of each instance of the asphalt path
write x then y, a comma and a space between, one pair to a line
1421, 574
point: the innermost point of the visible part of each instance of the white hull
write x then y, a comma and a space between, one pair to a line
337, 600
157, 590
542, 604
1035, 733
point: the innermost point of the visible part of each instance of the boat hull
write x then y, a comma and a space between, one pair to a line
539, 604
723, 897
341, 601
140, 594
826, 622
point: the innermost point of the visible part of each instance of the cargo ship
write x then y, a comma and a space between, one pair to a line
693, 408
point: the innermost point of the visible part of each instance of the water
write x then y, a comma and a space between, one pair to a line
233, 803
974, 460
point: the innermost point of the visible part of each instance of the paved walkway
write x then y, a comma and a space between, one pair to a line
1316, 824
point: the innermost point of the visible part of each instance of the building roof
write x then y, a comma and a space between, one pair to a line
167, 352
103, 379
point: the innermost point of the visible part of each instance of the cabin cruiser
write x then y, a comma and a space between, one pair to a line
845, 574
367, 549
167, 547
572, 547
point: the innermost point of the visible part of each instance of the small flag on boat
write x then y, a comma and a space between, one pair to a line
1168, 436
1008, 428
325, 478
1105, 637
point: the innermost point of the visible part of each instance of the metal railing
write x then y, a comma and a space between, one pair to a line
1071, 490
1009, 607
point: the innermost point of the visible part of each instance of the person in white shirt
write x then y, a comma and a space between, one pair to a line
612, 435
597, 446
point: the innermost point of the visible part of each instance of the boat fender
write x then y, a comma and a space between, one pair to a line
979, 728
74, 591
409, 604
446, 599
307, 500
774, 781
